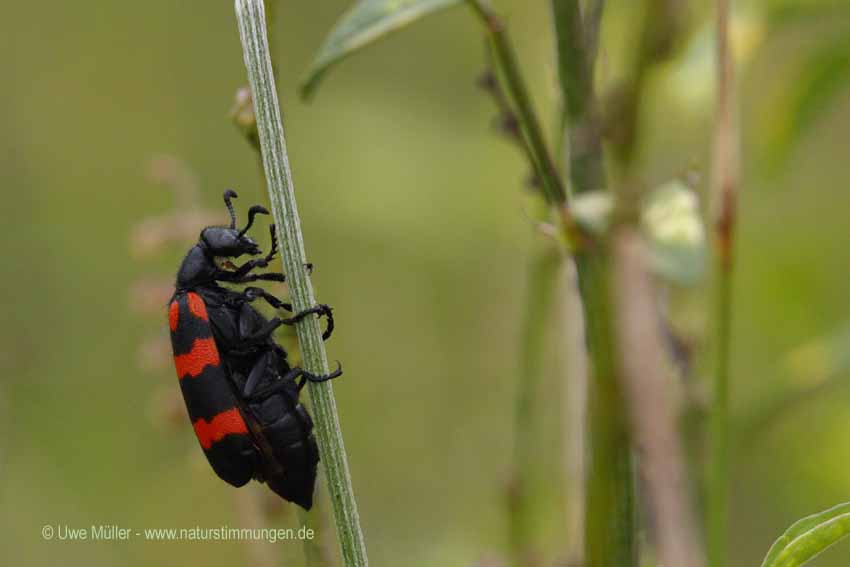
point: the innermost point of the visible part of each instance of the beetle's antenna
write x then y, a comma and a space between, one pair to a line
228, 195
252, 212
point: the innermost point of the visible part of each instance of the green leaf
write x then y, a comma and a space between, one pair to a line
825, 76
672, 222
365, 22
808, 537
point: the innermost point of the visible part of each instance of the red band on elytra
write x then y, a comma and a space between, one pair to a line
173, 315
228, 422
197, 307
204, 353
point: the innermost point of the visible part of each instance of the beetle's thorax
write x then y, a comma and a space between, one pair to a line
198, 267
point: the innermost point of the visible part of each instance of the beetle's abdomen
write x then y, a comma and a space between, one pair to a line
210, 400
288, 429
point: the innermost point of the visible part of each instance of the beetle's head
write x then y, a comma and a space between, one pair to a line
229, 242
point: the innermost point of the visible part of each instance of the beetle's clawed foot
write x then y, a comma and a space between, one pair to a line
307, 376
322, 310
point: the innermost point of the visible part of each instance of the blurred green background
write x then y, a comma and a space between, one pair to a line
414, 217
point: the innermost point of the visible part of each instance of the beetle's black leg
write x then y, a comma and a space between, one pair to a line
245, 277
265, 331
279, 385
257, 373
267, 277
273, 250
305, 376
328, 313
240, 273
273, 324
252, 293
321, 310
250, 265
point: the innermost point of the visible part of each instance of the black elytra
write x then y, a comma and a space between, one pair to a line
240, 392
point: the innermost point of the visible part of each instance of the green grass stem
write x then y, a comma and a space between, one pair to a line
250, 15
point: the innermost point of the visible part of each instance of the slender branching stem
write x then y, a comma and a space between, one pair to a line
251, 19
507, 121
506, 62
725, 174
609, 506
610, 513
717, 497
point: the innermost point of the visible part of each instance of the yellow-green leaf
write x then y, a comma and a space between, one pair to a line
808, 537
365, 22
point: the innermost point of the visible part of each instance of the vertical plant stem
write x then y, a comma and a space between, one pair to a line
244, 119
717, 498
611, 482
609, 506
242, 114
725, 179
251, 19
647, 385
540, 293
609, 509
576, 38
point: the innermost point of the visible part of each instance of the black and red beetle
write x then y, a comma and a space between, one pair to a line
239, 389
